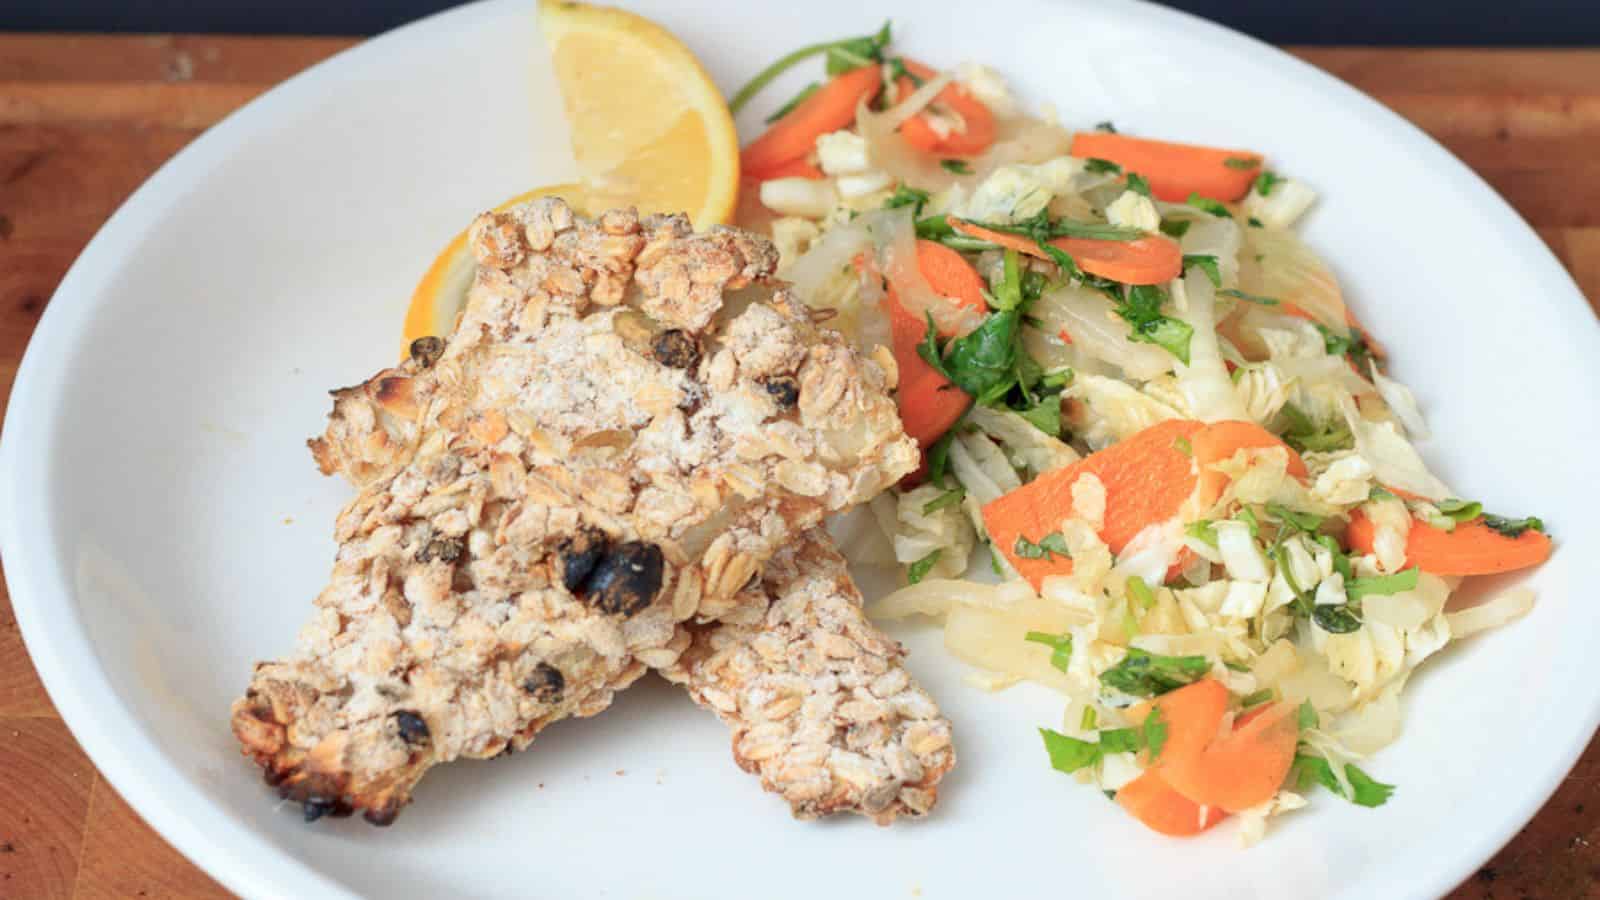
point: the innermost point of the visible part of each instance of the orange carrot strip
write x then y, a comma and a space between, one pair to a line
1147, 480
1219, 441
950, 275
1241, 768
792, 137
1148, 260
1174, 170
1152, 801
1192, 715
979, 131
1473, 548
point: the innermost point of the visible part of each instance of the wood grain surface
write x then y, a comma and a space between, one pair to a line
85, 119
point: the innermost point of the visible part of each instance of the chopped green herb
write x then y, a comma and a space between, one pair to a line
1068, 754
1379, 492
1513, 528
1381, 585
1155, 732
1266, 181
1336, 618
1313, 770
1307, 436
939, 458
848, 55
1145, 674
1300, 521
1243, 163
1250, 298
1142, 310
872, 45
1089, 720
1097, 166
1341, 562
1232, 666
952, 497
1307, 715
982, 362
1460, 510
1130, 624
1249, 519
934, 228
994, 561
1042, 229
1203, 531
908, 196
1048, 547
957, 166
1138, 184
1354, 346
1107, 127
1140, 592
1254, 222
1045, 415
1008, 289
1175, 227
1208, 265
1060, 647
919, 569
794, 101
1209, 205
1258, 698
1182, 445
1121, 740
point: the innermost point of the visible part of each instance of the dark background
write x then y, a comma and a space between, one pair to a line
1484, 22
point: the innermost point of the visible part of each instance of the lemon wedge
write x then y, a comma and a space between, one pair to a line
649, 129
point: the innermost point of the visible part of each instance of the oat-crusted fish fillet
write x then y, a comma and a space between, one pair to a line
601, 450
819, 703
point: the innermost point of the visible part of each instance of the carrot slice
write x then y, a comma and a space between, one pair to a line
1192, 715
1174, 170
1148, 260
794, 168
1241, 768
1152, 801
792, 137
979, 126
950, 275
1220, 441
1473, 548
1147, 480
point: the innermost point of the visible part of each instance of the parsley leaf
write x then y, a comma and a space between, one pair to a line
1140, 592
1336, 618
1460, 510
1256, 699
939, 458
1097, 166
848, 55
952, 497
1381, 585
908, 196
1254, 222
1142, 310
1300, 521
1048, 547
957, 166
1144, 674
1513, 528
1209, 205
1354, 346
1045, 415
1068, 754
985, 359
919, 569
794, 101
1242, 163
1107, 127
1307, 436
1251, 298
1266, 181
1208, 265
1155, 732
1306, 716
1138, 184
1203, 531
1121, 740
933, 228
1366, 791
1175, 227
1060, 647
1008, 289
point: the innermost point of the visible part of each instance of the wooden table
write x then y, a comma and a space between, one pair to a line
85, 119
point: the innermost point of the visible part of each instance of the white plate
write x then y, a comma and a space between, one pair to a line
163, 526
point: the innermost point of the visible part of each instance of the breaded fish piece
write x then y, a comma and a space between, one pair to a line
608, 445
817, 698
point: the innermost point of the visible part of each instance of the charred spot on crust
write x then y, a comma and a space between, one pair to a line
784, 391
445, 549
427, 350
627, 580
315, 807
579, 554
545, 684
676, 348
413, 730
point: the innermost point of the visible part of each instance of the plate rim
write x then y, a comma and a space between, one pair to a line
43, 596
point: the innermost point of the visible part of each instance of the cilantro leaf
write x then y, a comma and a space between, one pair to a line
985, 359
1256, 699
1121, 740
1045, 415
1354, 346
1142, 310
1048, 547
1140, 592
1266, 181
919, 569
952, 497
1145, 674
957, 166
1254, 222
908, 196
1209, 205
1008, 289
1107, 127
1459, 510
1250, 298
1300, 521
1138, 184
1097, 166
1175, 227
1306, 716
933, 228
1243, 163
1203, 531
1513, 528
1060, 647
1336, 618
1155, 732
1068, 754
939, 458
1306, 436
1208, 265
1366, 791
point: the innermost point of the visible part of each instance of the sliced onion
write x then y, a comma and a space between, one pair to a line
1087, 317
895, 237
1503, 609
1277, 264
1394, 461
914, 103
1205, 384
1402, 403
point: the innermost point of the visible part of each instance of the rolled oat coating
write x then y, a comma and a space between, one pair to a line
819, 703
543, 503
